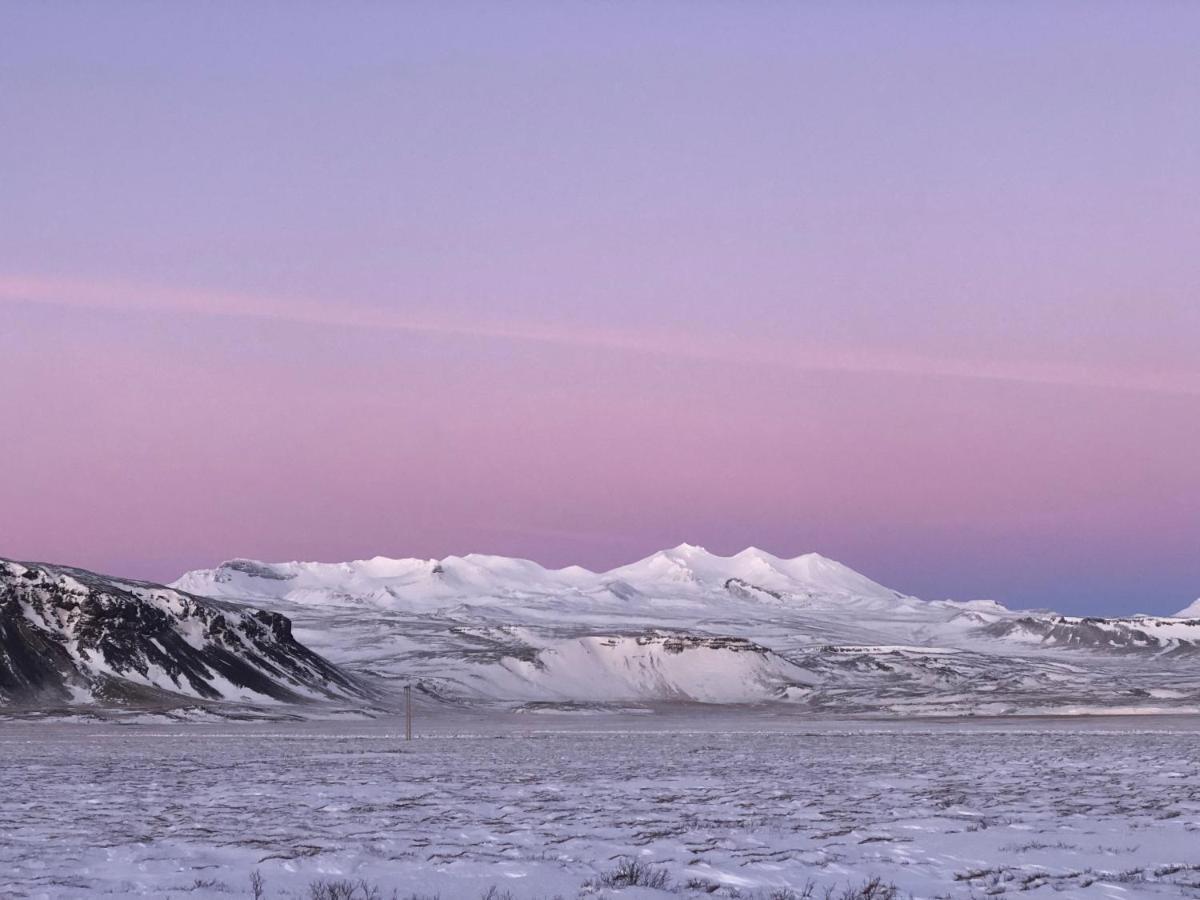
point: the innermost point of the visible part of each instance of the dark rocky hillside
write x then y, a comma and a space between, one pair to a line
71, 636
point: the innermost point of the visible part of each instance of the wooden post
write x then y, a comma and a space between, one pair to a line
408, 712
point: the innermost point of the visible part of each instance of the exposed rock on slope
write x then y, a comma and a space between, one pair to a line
70, 636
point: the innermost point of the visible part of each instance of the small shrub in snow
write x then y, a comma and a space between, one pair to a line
874, 889
634, 873
343, 890
362, 890
808, 892
210, 884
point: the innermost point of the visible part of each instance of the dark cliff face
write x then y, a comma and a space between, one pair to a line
67, 635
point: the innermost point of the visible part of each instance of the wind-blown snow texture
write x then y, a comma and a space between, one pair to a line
686, 625
68, 636
720, 802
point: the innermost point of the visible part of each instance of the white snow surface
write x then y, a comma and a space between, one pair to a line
723, 805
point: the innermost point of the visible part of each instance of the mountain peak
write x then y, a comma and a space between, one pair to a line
1190, 612
753, 552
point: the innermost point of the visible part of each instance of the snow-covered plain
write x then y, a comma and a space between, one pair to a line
539, 805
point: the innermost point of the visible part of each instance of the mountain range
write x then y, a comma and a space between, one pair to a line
688, 625
806, 634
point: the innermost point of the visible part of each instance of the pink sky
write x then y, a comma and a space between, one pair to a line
914, 287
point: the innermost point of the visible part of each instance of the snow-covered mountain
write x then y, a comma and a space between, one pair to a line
427, 582
1190, 612
68, 636
686, 624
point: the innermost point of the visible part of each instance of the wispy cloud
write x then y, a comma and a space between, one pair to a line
140, 298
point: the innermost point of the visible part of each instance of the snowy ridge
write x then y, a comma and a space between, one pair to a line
682, 571
68, 636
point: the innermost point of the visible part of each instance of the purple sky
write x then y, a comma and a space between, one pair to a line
912, 285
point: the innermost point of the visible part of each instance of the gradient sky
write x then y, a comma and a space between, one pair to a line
914, 285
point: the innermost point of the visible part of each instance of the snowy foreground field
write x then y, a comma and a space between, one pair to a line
544, 806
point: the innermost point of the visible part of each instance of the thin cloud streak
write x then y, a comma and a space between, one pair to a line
130, 298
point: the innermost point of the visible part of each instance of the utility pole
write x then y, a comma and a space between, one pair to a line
408, 712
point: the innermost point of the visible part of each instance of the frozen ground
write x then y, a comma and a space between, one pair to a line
539, 804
